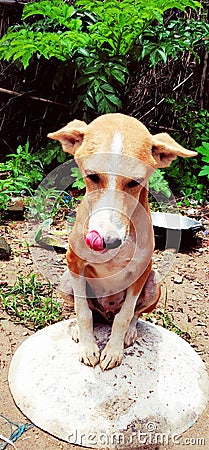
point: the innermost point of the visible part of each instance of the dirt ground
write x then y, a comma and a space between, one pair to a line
187, 305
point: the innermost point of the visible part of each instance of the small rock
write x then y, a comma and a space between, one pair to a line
17, 206
16, 210
28, 262
178, 279
5, 249
201, 324
191, 212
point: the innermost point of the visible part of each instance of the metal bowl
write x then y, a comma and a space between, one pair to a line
174, 230
175, 222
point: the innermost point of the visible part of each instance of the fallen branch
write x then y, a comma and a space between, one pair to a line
12, 2
32, 97
203, 79
163, 99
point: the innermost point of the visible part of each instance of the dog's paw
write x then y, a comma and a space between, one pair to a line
130, 336
111, 357
75, 332
89, 354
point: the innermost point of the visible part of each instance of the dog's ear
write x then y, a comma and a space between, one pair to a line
71, 136
165, 149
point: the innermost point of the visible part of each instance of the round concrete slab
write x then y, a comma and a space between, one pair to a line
157, 393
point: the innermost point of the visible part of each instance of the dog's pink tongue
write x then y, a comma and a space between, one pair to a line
95, 241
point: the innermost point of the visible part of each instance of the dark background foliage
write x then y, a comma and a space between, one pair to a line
30, 119
170, 95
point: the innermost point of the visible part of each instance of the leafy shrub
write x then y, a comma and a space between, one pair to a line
98, 36
31, 302
158, 42
158, 184
23, 165
79, 182
193, 125
45, 203
23, 171
204, 151
52, 153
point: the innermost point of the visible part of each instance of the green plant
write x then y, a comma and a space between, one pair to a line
184, 182
204, 151
79, 182
31, 302
23, 171
44, 225
49, 203
164, 317
98, 37
45, 204
5, 196
193, 126
157, 183
23, 165
19, 174
52, 153
160, 41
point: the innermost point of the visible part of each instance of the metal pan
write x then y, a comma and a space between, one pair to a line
174, 230
175, 222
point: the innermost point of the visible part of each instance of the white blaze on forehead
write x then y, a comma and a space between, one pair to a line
117, 143
116, 149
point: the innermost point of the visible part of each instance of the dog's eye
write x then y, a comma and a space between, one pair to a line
93, 177
134, 183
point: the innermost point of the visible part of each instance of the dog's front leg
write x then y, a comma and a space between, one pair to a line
89, 351
113, 352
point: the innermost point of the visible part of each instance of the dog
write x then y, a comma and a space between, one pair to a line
111, 245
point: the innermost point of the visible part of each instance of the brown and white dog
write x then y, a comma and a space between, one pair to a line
110, 247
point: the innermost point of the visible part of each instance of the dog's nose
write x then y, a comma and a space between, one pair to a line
112, 240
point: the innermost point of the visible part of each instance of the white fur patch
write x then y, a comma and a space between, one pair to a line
116, 149
117, 143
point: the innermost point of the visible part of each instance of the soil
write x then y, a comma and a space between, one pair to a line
185, 289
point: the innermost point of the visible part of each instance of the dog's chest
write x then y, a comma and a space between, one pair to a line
107, 306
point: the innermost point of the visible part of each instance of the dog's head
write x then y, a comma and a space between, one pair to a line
116, 155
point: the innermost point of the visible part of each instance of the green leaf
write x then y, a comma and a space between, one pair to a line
153, 57
84, 51
83, 80
88, 102
163, 55
158, 16
46, 223
119, 76
38, 235
113, 99
204, 171
107, 88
